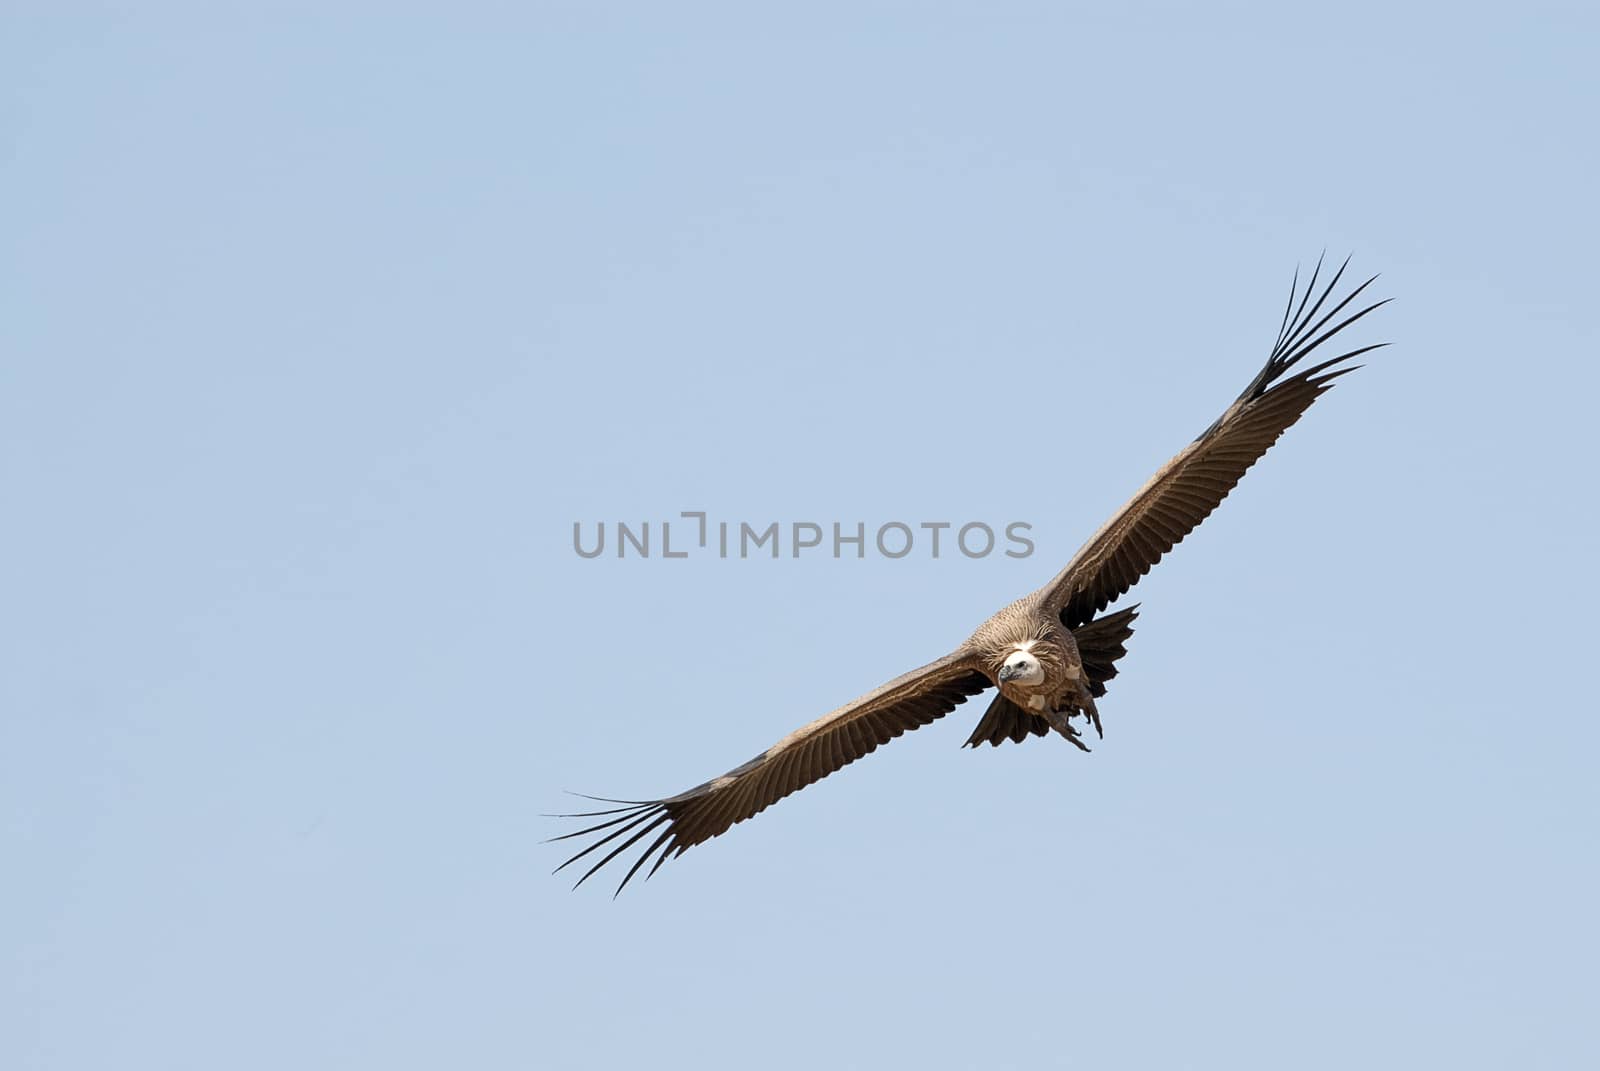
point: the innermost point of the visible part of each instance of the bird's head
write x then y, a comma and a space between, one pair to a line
1022, 667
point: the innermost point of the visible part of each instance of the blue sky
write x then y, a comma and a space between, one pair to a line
319, 331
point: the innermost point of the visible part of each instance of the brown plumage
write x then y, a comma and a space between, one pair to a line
1048, 652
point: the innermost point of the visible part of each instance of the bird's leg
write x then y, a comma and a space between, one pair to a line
1061, 722
1090, 711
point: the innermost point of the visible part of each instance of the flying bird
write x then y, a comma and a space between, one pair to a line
1050, 653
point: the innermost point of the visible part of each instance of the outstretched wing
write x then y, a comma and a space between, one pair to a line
804, 756
1176, 499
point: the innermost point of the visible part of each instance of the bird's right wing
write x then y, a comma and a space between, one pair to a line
799, 759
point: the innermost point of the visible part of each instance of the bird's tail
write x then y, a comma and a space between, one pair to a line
1100, 643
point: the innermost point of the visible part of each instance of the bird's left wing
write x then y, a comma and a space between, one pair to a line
804, 756
1195, 482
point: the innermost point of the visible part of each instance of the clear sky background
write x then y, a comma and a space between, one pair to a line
318, 331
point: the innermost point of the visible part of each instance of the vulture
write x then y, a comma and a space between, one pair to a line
1049, 654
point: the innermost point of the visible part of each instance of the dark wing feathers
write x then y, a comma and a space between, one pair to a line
799, 759
1101, 642
1174, 502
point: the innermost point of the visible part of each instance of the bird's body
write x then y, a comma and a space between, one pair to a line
1034, 661
1049, 653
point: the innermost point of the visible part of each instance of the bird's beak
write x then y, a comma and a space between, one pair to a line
1006, 673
